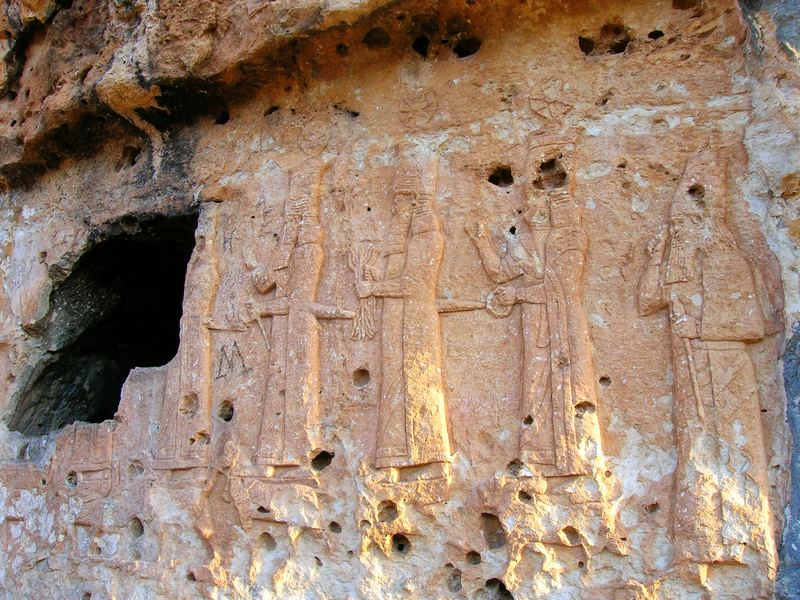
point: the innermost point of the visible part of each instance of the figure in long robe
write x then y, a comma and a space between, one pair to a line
412, 428
697, 271
290, 429
558, 373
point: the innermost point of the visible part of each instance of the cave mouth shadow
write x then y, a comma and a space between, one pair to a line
119, 308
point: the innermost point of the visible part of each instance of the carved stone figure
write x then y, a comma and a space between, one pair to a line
290, 430
558, 376
186, 427
698, 272
412, 426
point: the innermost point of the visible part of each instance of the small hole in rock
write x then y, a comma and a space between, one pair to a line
335, 527
322, 460
586, 45
581, 564
685, 4
763, 410
454, 581
377, 38
572, 535
226, 411
527, 420
137, 527
615, 37
512, 230
190, 576
501, 177
387, 511
420, 45
524, 496
400, 544
342, 49
360, 378
467, 47
473, 558
552, 175
697, 192
223, 118
135, 468
262, 511
493, 531
318, 561
655, 34
350, 553
266, 541
607, 474
515, 467
272, 110
605, 381
72, 479
651, 508
497, 590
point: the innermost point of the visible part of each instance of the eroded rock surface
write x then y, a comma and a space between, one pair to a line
362, 299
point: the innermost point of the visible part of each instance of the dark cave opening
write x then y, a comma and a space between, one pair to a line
119, 308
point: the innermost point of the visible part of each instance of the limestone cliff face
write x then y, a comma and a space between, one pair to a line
363, 299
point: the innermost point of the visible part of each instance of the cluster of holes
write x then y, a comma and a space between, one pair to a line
425, 31
612, 39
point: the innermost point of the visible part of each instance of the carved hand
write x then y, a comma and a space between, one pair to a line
506, 295
263, 279
477, 232
657, 245
364, 289
686, 327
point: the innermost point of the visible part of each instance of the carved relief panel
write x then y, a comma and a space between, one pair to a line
519, 320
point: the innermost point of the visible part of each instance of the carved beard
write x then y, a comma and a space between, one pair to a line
681, 265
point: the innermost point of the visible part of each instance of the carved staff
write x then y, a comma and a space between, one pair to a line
360, 257
680, 313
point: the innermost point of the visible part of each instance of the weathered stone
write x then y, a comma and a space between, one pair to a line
368, 299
